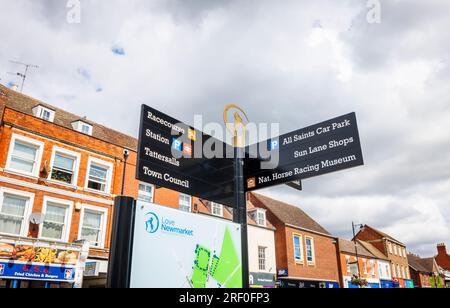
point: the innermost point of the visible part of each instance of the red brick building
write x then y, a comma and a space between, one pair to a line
425, 272
63, 167
393, 249
442, 257
357, 261
307, 254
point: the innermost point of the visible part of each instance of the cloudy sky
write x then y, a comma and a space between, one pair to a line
294, 62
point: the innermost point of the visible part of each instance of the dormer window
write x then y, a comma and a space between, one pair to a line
82, 127
259, 216
44, 113
217, 209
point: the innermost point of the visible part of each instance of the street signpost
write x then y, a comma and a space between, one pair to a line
191, 172
315, 150
170, 155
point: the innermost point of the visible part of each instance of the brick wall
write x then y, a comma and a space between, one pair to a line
373, 238
325, 266
53, 135
352, 258
442, 258
382, 244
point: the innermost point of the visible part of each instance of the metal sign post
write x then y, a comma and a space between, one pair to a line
240, 212
119, 265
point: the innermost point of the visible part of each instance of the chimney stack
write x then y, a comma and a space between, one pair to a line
442, 250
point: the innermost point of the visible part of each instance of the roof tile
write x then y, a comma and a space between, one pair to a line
290, 214
24, 104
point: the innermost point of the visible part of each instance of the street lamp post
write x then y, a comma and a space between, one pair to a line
354, 226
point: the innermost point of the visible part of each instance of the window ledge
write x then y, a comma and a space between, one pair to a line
55, 241
10, 234
18, 173
97, 192
55, 182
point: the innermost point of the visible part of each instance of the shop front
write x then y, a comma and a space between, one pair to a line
262, 280
29, 263
371, 283
307, 284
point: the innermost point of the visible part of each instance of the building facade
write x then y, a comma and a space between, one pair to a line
306, 254
394, 250
383, 265
357, 262
59, 174
425, 272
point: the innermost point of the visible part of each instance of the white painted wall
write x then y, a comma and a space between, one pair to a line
261, 237
384, 270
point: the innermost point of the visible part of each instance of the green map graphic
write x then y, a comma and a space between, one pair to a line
224, 269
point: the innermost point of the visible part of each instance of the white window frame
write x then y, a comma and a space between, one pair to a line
364, 262
399, 273
390, 247
101, 163
190, 202
294, 235
69, 153
395, 250
388, 271
262, 260
38, 159
312, 250
28, 208
217, 206
404, 252
144, 193
347, 264
78, 126
39, 110
98, 210
263, 213
67, 221
372, 267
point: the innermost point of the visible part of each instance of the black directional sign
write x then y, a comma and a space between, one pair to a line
172, 154
315, 150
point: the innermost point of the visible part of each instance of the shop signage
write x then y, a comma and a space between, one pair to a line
319, 149
172, 248
15, 270
37, 254
302, 284
264, 280
387, 284
171, 155
283, 272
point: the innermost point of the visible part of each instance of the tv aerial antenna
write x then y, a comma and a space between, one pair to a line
24, 74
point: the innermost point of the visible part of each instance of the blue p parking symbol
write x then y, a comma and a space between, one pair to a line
177, 144
274, 145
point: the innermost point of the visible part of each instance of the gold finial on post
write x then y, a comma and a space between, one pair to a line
239, 125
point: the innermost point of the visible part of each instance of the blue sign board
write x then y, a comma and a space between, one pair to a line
36, 272
283, 272
387, 284
409, 284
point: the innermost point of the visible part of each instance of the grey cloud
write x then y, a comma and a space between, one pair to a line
186, 57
